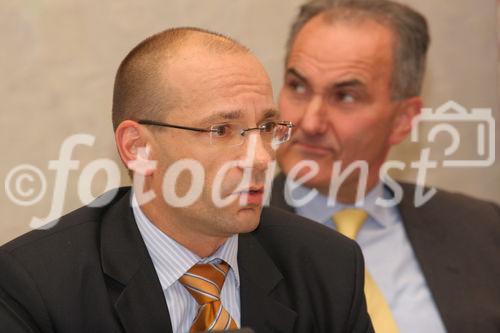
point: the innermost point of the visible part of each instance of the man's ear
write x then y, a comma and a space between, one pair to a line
406, 111
132, 143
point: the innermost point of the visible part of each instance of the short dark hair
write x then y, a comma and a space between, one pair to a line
141, 86
409, 27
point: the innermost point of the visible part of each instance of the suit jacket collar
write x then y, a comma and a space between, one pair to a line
134, 286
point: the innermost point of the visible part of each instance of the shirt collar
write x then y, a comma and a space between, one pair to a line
318, 209
171, 259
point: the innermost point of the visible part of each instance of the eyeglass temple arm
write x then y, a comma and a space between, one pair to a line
157, 123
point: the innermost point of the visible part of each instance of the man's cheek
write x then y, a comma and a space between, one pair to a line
225, 179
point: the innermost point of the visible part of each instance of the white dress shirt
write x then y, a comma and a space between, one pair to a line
171, 260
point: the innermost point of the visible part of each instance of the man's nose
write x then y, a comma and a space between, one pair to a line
258, 152
313, 121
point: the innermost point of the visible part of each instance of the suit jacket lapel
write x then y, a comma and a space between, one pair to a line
433, 250
134, 286
259, 278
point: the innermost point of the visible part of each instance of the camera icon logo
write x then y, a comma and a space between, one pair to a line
446, 118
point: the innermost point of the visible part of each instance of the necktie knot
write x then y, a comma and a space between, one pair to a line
204, 281
348, 221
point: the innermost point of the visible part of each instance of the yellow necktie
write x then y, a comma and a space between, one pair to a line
348, 222
204, 282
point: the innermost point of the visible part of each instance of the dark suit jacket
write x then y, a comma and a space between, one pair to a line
92, 273
456, 240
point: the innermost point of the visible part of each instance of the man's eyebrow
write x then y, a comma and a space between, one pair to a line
348, 84
337, 85
222, 116
271, 113
235, 115
294, 72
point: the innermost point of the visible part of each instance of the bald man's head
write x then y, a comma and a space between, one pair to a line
142, 86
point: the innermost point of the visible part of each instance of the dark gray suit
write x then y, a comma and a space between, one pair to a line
92, 273
456, 240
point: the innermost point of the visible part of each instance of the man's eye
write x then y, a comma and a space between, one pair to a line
297, 87
221, 130
346, 97
268, 127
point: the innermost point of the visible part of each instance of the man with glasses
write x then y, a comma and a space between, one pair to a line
353, 76
188, 248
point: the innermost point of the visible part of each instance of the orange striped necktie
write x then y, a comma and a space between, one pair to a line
204, 282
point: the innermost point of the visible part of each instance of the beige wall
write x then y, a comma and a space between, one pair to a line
58, 60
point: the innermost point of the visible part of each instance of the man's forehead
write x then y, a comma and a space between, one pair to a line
343, 51
211, 86
206, 70
367, 37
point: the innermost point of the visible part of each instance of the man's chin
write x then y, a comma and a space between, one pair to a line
322, 179
248, 218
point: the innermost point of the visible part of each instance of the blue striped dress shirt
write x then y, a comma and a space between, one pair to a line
389, 258
171, 260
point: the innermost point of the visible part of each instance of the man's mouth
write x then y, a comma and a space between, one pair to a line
252, 196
